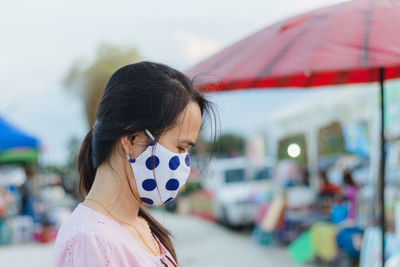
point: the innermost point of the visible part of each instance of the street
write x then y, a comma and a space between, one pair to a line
202, 243
197, 242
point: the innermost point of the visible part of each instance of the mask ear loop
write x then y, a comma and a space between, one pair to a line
149, 134
154, 174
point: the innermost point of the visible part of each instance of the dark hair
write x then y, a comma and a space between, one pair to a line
138, 96
348, 178
323, 175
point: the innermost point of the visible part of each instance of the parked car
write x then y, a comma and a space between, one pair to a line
233, 182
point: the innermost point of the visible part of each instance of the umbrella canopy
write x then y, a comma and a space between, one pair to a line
344, 43
15, 145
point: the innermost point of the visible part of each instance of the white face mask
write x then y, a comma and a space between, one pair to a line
159, 173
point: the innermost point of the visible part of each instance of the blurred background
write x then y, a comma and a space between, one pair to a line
293, 180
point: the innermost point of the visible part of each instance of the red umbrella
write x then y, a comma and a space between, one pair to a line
345, 43
352, 42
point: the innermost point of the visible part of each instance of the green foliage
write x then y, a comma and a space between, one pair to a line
330, 140
201, 146
191, 187
69, 170
229, 145
89, 80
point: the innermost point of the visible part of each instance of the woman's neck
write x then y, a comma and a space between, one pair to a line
113, 190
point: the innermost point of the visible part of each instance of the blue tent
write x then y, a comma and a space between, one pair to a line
15, 145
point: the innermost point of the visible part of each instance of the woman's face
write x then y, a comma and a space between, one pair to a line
179, 139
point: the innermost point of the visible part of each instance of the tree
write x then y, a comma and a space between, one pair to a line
201, 146
89, 81
68, 171
230, 145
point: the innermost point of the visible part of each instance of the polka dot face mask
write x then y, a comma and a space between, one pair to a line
159, 173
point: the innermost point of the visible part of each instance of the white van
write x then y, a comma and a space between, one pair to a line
233, 183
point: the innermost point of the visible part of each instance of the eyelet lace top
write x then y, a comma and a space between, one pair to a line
89, 238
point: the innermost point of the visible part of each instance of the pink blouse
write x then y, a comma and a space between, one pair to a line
89, 238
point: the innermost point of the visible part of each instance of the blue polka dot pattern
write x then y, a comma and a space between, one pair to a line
149, 184
174, 163
147, 200
132, 160
168, 200
172, 184
187, 162
152, 162
152, 143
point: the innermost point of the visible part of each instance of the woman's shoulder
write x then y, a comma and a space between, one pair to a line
85, 222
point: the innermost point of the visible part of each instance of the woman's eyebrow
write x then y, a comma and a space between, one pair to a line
189, 142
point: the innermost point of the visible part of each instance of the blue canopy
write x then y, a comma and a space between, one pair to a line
12, 137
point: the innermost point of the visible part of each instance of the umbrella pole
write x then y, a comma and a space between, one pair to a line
381, 177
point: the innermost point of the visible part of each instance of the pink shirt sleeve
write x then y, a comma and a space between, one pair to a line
85, 249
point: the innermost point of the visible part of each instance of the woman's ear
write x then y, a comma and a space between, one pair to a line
127, 143
132, 139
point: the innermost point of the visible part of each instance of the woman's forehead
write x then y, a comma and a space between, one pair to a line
188, 123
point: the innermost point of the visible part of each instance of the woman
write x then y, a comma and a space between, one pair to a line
326, 187
350, 189
136, 154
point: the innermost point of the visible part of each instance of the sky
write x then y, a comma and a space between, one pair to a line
41, 39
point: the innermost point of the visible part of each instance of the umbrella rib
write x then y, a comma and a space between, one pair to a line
281, 54
284, 50
365, 44
310, 81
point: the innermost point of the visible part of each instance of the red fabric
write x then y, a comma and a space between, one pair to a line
344, 43
204, 215
329, 188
